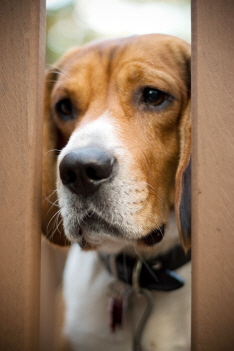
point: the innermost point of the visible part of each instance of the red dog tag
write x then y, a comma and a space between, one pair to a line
115, 309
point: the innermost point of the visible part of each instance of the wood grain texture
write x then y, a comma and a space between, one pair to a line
213, 175
52, 264
22, 42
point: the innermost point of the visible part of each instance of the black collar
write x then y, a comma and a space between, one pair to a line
155, 274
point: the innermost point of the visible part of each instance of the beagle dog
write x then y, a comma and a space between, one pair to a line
116, 169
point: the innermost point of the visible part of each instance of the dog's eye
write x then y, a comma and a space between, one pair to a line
65, 109
153, 97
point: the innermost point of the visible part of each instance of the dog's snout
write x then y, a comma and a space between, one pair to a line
84, 170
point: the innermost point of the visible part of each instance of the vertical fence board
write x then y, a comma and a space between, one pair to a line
213, 175
22, 42
52, 265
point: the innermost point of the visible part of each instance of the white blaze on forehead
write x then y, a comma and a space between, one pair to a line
102, 132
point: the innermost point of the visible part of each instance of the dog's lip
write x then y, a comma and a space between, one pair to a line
154, 237
87, 246
92, 219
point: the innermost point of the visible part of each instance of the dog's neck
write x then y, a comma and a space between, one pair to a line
171, 239
154, 266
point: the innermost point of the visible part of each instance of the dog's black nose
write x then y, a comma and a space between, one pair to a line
84, 170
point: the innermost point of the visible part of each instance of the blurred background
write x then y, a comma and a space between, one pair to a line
74, 22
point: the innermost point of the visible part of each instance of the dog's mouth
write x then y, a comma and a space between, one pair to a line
154, 237
97, 225
92, 222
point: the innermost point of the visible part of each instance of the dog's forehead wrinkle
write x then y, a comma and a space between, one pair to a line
114, 57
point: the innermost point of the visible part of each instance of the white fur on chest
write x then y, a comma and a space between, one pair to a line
86, 296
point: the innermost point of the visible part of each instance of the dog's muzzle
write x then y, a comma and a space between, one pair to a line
84, 170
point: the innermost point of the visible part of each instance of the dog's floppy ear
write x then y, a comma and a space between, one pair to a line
183, 182
53, 142
183, 174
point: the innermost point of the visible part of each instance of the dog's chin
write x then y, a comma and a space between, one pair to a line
94, 233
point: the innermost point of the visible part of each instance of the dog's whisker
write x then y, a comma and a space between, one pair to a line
52, 203
52, 151
57, 219
150, 62
49, 196
45, 197
57, 213
55, 229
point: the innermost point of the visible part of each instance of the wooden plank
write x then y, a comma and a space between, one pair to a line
213, 175
22, 42
52, 264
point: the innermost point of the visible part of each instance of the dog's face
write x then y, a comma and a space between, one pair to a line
121, 109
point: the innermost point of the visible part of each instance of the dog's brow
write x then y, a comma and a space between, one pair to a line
152, 75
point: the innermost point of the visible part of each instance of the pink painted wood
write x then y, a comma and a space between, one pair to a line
213, 175
22, 47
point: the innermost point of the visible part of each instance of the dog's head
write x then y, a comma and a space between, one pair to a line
120, 112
